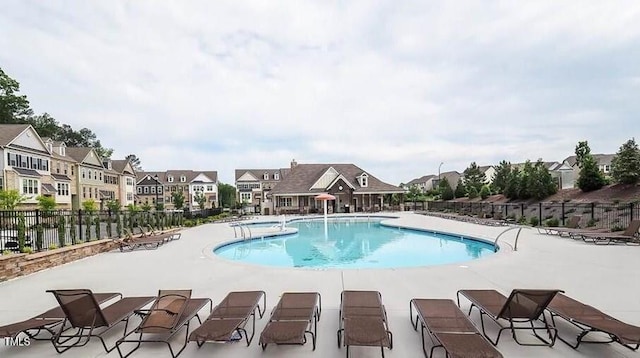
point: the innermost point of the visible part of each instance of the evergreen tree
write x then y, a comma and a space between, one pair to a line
590, 177
446, 192
513, 184
526, 185
501, 177
461, 190
541, 183
474, 178
625, 167
485, 192
473, 193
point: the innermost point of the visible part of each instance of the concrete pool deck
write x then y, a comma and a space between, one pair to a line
604, 276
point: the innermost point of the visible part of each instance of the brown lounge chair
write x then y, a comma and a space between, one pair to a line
295, 315
171, 311
522, 306
363, 321
83, 312
45, 322
228, 319
451, 329
131, 243
571, 225
629, 236
591, 320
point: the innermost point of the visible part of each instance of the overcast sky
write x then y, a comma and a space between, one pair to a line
395, 87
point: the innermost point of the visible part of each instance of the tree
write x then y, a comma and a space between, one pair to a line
46, 203
590, 177
14, 108
582, 152
178, 199
625, 166
200, 199
501, 177
114, 206
10, 199
511, 191
541, 183
446, 192
135, 162
461, 190
45, 125
473, 193
485, 192
474, 178
414, 194
226, 195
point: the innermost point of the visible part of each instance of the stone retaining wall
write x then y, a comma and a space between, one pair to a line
15, 265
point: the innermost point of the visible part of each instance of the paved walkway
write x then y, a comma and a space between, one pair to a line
604, 276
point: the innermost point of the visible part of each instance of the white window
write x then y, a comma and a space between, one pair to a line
364, 180
284, 201
62, 151
146, 190
265, 176
183, 179
100, 176
1, 183
83, 173
63, 189
153, 190
209, 187
129, 196
170, 179
245, 196
30, 186
276, 176
139, 190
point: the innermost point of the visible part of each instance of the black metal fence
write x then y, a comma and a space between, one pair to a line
609, 216
36, 230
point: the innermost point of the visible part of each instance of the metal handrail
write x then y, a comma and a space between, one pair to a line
515, 245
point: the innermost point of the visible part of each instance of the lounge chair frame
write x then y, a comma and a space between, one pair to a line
47, 321
469, 331
282, 315
506, 314
239, 319
373, 311
585, 328
84, 330
189, 310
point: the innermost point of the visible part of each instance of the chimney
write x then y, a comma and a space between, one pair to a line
293, 163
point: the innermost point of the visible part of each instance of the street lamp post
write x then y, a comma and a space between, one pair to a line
157, 182
439, 166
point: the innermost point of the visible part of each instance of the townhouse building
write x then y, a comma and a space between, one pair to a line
25, 162
159, 186
63, 173
253, 188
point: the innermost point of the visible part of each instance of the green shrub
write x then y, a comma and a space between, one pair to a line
26, 250
552, 222
591, 223
473, 193
53, 247
7, 252
119, 225
22, 232
617, 228
534, 221
522, 220
39, 237
72, 230
96, 221
485, 192
87, 228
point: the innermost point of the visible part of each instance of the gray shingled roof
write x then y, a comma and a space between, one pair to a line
600, 159
422, 179
78, 153
9, 132
188, 174
259, 173
303, 176
60, 177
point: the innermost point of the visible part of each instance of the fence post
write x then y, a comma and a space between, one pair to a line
562, 214
593, 210
80, 224
521, 209
540, 213
631, 212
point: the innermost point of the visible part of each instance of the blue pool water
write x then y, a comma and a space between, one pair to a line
355, 244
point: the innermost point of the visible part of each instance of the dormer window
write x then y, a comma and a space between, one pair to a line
61, 151
49, 147
276, 176
170, 179
183, 179
265, 176
364, 180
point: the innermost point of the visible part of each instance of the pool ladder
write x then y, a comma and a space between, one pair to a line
515, 245
245, 231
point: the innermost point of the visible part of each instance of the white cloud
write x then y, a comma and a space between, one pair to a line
394, 87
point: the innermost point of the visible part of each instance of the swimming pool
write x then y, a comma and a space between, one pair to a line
355, 243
